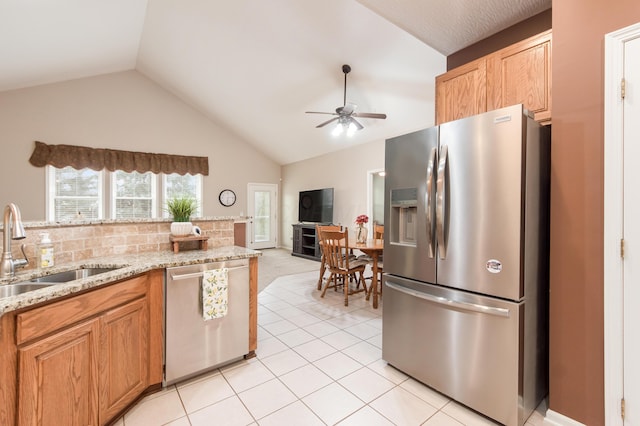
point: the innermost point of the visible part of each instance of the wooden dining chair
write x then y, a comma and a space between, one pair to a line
323, 262
342, 266
378, 234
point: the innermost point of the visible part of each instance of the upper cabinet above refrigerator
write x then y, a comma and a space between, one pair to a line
519, 73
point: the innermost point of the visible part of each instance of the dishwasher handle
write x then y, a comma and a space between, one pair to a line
179, 277
466, 306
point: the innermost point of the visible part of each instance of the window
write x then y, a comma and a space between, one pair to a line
262, 218
73, 193
175, 185
134, 195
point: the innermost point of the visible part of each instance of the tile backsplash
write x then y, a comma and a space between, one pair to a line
77, 242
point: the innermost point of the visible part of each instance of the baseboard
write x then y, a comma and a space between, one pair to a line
552, 418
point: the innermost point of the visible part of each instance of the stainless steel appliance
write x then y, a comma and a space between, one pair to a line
193, 345
466, 260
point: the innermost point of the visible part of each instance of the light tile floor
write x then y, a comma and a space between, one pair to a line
318, 363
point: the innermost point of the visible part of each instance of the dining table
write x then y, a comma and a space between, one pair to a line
373, 248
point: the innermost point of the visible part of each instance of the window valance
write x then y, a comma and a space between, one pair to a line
80, 157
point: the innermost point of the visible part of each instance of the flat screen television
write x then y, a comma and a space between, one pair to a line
316, 206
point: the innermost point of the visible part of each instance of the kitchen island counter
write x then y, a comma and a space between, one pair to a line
105, 330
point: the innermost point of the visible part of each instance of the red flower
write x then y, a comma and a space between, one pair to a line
363, 218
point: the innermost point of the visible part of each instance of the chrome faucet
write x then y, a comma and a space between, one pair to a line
12, 225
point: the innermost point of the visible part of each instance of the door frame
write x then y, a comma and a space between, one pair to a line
370, 175
613, 222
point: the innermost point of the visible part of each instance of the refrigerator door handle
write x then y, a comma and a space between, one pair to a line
441, 200
465, 306
429, 201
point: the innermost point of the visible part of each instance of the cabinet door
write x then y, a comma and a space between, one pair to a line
297, 239
521, 74
124, 357
59, 378
461, 92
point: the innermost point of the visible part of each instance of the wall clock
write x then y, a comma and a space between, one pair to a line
227, 197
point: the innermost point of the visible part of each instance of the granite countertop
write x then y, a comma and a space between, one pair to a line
128, 266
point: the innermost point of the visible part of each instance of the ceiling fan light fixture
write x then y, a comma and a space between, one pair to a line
345, 125
337, 131
351, 130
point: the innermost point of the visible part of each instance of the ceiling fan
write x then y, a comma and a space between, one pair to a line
346, 114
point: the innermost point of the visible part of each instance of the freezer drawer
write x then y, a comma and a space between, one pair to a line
463, 345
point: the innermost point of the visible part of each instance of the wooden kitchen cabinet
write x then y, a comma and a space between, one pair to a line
85, 359
124, 358
58, 378
240, 234
520, 73
462, 92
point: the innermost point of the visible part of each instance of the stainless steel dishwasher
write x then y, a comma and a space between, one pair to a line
193, 345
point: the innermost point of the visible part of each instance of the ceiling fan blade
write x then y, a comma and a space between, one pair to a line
369, 115
358, 125
320, 112
327, 122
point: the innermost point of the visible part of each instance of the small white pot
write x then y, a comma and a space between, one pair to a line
181, 229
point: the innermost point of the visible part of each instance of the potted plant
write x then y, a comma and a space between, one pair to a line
181, 209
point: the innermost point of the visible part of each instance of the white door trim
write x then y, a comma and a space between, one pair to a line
613, 221
370, 174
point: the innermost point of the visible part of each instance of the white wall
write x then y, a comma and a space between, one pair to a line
119, 111
345, 171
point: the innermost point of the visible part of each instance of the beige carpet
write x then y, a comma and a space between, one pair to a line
276, 263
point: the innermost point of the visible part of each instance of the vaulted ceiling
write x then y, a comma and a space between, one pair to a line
253, 66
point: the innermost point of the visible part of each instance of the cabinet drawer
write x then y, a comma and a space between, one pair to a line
46, 319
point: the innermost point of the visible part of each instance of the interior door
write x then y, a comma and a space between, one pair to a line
262, 206
631, 231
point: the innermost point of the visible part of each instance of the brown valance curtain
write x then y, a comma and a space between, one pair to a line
80, 157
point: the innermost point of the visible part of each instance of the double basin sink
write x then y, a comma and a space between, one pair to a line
13, 289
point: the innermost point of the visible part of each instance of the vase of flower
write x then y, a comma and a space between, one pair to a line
361, 230
361, 234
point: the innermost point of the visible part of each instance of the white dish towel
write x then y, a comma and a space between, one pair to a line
215, 298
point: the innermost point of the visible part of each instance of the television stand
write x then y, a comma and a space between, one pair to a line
305, 241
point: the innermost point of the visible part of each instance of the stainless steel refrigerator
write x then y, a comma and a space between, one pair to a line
466, 260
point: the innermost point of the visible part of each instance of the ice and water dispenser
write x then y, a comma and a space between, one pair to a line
403, 216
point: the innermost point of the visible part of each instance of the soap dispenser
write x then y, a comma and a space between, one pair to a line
45, 251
